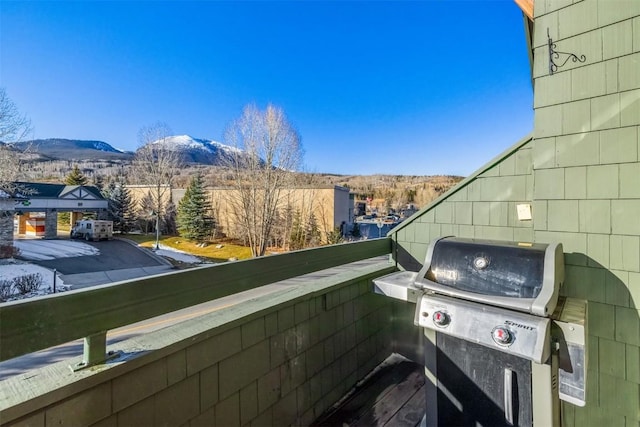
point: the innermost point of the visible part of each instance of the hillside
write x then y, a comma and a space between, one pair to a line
51, 160
71, 149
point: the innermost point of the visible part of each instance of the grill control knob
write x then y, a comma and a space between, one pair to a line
440, 318
502, 336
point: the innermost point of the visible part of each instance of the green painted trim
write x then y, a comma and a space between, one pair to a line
515, 147
20, 396
39, 323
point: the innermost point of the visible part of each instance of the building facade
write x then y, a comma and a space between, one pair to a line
580, 173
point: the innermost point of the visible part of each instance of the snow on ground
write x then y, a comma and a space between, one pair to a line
10, 269
38, 249
42, 250
169, 252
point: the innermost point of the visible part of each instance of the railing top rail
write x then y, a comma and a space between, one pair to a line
32, 325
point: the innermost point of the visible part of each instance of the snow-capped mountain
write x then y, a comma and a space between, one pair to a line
195, 150
72, 149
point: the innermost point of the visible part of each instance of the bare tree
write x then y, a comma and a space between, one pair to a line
269, 151
156, 164
13, 127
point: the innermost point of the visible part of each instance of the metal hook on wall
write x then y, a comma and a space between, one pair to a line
556, 55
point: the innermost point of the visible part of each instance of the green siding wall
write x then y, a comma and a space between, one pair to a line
582, 176
482, 206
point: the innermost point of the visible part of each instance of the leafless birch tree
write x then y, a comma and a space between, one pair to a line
156, 164
269, 151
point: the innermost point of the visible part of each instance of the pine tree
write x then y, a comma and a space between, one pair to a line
304, 234
194, 212
121, 206
76, 177
146, 212
297, 240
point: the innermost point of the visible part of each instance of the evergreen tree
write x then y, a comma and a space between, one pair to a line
194, 212
121, 206
146, 214
98, 182
169, 219
355, 231
298, 238
76, 177
304, 234
335, 236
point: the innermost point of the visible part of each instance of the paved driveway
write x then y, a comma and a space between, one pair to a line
114, 255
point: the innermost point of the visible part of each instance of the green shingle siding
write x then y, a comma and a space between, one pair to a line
563, 215
548, 121
549, 184
611, 75
598, 250
609, 357
575, 20
602, 182
575, 183
628, 75
619, 145
616, 292
544, 153
581, 173
625, 252
587, 82
588, 153
630, 106
625, 217
576, 117
605, 112
594, 216
617, 39
623, 10
636, 34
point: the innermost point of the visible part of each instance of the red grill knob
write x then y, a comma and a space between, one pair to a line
440, 318
502, 335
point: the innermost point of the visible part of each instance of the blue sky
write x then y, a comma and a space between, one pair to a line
403, 87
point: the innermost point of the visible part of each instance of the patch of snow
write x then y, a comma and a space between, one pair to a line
10, 269
169, 252
42, 250
186, 141
103, 146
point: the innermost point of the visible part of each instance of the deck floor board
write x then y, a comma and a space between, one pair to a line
393, 395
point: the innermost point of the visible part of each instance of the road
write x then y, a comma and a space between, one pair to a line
114, 255
42, 358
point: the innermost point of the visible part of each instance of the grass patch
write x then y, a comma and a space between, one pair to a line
211, 252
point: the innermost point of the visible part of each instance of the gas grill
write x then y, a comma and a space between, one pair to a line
493, 334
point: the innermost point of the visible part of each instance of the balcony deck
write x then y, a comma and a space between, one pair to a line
280, 358
393, 395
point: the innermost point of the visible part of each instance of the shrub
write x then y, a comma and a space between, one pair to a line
5, 289
28, 283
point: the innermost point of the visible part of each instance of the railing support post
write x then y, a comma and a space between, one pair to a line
94, 352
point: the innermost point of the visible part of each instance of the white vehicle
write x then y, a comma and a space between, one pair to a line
92, 229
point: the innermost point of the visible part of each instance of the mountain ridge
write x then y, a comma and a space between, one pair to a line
193, 150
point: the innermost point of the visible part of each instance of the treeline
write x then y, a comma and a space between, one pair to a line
385, 190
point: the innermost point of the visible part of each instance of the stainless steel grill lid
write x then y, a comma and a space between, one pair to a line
519, 276
500, 269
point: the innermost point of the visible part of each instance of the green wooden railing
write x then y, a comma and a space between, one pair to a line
33, 325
